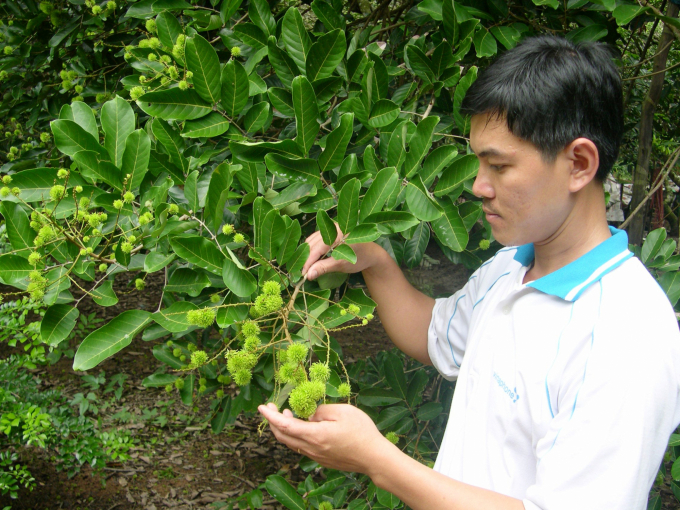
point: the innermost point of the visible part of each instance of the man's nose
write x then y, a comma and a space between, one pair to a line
482, 187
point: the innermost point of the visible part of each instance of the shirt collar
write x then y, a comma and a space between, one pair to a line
570, 281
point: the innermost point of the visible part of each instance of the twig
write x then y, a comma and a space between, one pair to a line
661, 178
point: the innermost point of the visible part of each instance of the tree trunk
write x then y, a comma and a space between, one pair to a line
641, 177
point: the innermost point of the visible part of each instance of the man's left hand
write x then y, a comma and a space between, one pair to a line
337, 436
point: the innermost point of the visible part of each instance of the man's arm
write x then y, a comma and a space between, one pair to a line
404, 311
343, 437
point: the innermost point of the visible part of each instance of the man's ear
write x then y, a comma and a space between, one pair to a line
584, 159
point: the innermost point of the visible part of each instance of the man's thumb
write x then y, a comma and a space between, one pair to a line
322, 267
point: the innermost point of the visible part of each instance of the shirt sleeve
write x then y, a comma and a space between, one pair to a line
449, 326
604, 445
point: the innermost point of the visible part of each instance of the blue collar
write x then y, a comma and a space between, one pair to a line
570, 281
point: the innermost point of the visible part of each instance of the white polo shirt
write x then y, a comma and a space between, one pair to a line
568, 387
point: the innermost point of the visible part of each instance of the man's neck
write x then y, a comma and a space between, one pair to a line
584, 229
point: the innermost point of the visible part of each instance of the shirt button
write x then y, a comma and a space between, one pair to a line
506, 310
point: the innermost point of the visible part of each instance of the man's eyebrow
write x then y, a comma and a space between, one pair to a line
490, 152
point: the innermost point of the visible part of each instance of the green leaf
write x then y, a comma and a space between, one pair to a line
394, 374
251, 35
81, 114
344, 252
431, 7
363, 233
383, 113
110, 338
392, 222
325, 55
419, 201
14, 270
70, 138
174, 104
57, 324
187, 281
256, 85
449, 228
625, 13
91, 168
459, 94
507, 36
414, 248
221, 417
330, 18
390, 416
173, 143
378, 397
199, 251
297, 261
282, 491
168, 29
306, 113
158, 380
255, 152
191, 192
555, 4
285, 67
386, 498
238, 280
675, 469
270, 234
396, 149
136, 158
435, 162
18, 227
297, 170
156, 261
420, 63
670, 283
461, 170
289, 243
235, 88
378, 192
442, 58
450, 21
104, 295
295, 37
591, 33
218, 190
429, 411
336, 144
201, 59
228, 8
256, 117
209, 126
470, 212
485, 44
419, 145
327, 227
322, 200
174, 319
295, 192
282, 100
348, 205
261, 15
118, 121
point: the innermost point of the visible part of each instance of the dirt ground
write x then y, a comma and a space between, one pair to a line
182, 464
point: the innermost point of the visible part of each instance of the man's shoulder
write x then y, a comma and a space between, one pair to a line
635, 300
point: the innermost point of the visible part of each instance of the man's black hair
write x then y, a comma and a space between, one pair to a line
550, 92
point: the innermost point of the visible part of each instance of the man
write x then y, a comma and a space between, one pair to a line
565, 350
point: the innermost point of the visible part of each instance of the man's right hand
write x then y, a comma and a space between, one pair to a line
404, 311
316, 265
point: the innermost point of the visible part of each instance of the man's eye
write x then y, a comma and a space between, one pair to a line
496, 168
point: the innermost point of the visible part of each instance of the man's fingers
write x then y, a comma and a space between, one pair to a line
324, 266
325, 412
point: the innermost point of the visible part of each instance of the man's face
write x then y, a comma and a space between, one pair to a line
525, 199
